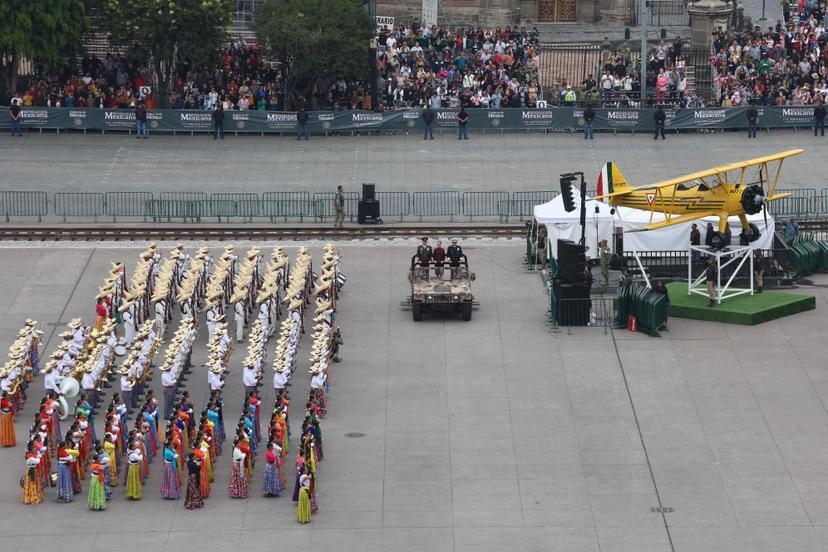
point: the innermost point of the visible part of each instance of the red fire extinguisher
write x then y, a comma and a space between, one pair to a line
632, 323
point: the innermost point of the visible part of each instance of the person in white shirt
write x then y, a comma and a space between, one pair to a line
160, 315
169, 379
238, 316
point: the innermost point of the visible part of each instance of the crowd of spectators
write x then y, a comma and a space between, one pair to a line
416, 66
780, 65
452, 68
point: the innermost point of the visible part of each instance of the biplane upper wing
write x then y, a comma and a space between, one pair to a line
707, 173
673, 220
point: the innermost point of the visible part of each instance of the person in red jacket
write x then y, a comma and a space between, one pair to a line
101, 312
439, 258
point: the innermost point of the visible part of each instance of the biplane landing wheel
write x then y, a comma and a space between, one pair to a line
751, 236
717, 241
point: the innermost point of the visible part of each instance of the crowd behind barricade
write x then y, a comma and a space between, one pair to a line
441, 67
780, 65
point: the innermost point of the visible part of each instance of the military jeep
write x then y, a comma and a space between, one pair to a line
445, 288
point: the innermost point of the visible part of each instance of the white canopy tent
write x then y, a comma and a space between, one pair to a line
567, 226
677, 236
599, 226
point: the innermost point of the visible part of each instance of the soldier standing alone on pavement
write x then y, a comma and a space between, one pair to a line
604, 256
339, 205
711, 275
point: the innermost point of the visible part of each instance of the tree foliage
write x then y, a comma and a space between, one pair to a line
46, 32
315, 39
169, 32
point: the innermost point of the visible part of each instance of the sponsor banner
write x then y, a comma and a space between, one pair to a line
550, 119
384, 22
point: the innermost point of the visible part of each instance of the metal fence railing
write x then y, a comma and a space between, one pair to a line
324, 207
523, 203
225, 206
79, 204
436, 204
394, 204
24, 204
286, 205
804, 203
127, 204
486, 204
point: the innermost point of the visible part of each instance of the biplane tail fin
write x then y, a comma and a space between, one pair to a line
611, 182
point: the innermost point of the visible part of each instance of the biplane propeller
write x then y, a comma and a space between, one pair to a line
738, 189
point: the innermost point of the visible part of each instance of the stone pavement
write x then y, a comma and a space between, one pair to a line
490, 162
494, 434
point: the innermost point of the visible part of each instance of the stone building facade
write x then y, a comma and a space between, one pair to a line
489, 13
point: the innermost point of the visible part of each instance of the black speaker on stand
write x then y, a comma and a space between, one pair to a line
368, 208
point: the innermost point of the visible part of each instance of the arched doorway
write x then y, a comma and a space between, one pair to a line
556, 10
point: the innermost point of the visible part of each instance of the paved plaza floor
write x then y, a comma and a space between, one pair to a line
491, 162
489, 435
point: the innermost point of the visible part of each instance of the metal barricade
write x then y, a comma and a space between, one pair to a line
188, 206
597, 311
802, 202
284, 205
523, 203
394, 204
324, 207
127, 204
436, 204
24, 204
486, 204
228, 205
79, 204
821, 203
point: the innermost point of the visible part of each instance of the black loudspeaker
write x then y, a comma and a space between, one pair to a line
368, 192
572, 261
573, 305
368, 212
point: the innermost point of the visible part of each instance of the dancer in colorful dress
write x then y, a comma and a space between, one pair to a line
7, 435
97, 495
303, 510
272, 475
238, 487
193, 500
32, 489
65, 492
133, 480
171, 485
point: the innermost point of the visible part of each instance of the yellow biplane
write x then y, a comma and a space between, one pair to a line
737, 189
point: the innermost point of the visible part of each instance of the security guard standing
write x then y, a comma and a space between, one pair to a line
339, 206
454, 252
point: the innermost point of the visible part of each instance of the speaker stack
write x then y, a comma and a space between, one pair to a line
368, 208
571, 284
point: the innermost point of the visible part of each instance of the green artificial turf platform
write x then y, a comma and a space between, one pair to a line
744, 309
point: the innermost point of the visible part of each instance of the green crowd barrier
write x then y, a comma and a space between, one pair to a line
436, 204
394, 204
128, 204
325, 206
285, 205
80, 204
486, 204
187, 206
806, 255
24, 204
648, 307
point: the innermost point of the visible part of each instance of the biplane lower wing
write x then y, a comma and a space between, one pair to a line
674, 220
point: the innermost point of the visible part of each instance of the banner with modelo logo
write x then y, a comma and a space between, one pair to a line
549, 119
